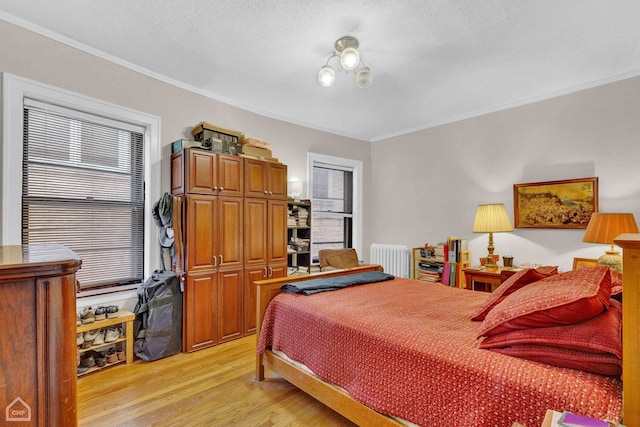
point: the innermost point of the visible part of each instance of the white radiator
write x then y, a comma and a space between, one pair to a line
395, 259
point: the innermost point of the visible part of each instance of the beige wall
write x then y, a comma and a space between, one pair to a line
426, 184
440, 175
35, 57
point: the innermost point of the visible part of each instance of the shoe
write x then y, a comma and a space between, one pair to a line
99, 338
79, 339
121, 354
88, 361
87, 316
100, 358
78, 321
82, 369
111, 335
89, 337
112, 356
113, 311
101, 313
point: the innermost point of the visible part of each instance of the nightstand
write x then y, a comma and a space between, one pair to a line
487, 279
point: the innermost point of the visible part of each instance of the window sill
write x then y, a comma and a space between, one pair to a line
112, 290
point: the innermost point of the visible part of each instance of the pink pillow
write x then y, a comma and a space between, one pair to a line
616, 282
512, 284
600, 334
561, 299
599, 363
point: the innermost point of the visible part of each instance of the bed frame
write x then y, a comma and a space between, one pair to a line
343, 403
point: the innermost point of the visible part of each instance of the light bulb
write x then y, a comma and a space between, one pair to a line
349, 58
326, 76
364, 78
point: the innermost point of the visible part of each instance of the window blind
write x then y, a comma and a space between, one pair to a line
332, 208
83, 187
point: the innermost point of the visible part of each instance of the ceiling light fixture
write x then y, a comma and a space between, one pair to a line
346, 48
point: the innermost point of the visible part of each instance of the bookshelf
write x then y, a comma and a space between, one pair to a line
299, 236
442, 266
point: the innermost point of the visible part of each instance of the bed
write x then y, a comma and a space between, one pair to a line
331, 346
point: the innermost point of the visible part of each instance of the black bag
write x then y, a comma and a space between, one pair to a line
158, 322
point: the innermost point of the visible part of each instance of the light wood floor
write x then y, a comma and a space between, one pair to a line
212, 387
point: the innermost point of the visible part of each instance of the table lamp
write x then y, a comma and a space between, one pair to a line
295, 190
491, 219
603, 228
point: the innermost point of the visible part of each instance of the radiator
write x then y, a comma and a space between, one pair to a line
395, 259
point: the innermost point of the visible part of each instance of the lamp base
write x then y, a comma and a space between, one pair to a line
611, 259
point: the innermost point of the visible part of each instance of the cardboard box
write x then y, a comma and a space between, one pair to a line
256, 151
217, 139
255, 142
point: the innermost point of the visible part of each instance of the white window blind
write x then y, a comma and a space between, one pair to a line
83, 187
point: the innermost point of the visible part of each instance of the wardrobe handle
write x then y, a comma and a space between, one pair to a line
270, 272
215, 188
265, 273
215, 261
220, 260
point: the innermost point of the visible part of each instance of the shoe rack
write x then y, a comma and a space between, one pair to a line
123, 319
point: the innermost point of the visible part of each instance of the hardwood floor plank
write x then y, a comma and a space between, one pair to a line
211, 387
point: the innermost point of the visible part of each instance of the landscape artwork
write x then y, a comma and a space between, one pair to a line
555, 204
584, 263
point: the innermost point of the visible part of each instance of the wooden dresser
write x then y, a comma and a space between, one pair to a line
37, 335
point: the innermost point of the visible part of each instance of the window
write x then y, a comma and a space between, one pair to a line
335, 185
332, 205
83, 173
83, 187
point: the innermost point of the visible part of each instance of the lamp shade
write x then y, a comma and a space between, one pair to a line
492, 218
604, 227
295, 188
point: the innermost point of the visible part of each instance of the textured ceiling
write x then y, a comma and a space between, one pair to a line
434, 61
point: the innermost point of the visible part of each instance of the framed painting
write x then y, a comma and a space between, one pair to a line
555, 204
584, 262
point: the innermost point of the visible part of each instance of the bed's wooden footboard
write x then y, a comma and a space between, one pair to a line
630, 244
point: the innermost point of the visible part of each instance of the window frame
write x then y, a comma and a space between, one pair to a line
14, 90
356, 166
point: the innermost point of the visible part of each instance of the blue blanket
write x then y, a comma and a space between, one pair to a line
314, 286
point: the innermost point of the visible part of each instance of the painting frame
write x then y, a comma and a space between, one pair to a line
584, 262
560, 204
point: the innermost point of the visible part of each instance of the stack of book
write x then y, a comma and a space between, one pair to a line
441, 250
303, 216
298, 216
429, 271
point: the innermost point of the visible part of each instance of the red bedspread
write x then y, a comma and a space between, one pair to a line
409, 349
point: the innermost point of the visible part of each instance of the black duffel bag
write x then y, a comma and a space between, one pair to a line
158, 322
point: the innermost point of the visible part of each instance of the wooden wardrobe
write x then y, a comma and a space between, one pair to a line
234, 230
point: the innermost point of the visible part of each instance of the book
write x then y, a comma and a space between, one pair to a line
446, 273
453, 274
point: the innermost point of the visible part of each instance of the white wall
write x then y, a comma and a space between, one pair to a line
428, 184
